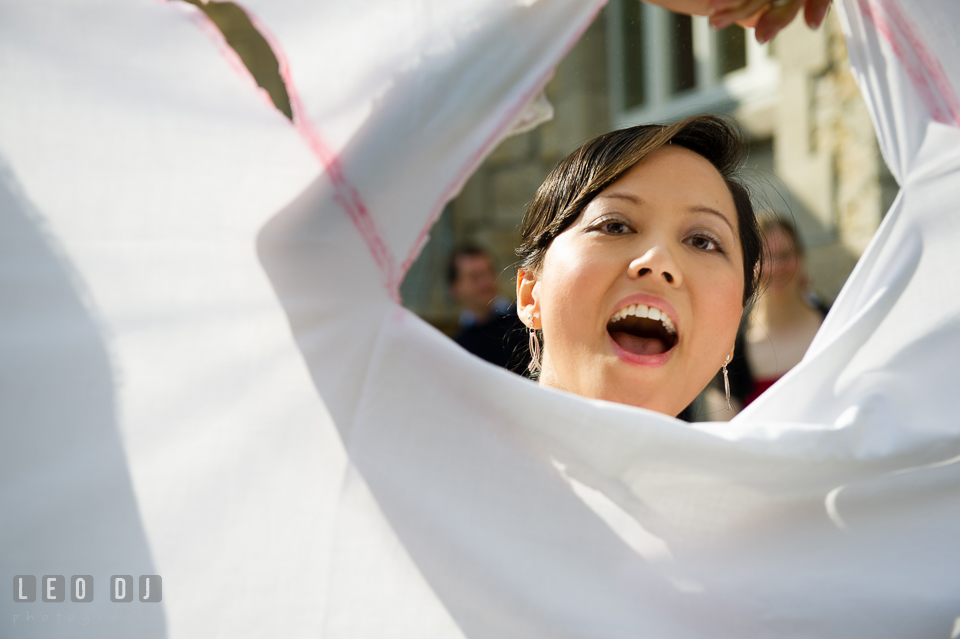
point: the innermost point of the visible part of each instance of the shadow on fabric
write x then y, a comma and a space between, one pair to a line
66, 498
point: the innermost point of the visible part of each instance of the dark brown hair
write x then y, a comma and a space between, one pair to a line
583, 174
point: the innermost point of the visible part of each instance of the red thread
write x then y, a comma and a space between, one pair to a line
924, 70
345, 194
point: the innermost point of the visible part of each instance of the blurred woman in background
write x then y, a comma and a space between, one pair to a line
784, 320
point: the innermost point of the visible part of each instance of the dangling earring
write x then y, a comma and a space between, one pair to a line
534, 344
726, 382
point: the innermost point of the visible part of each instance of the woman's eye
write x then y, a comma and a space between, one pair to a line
703, 243
614, 227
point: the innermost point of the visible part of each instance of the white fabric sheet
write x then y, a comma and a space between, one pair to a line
205, 374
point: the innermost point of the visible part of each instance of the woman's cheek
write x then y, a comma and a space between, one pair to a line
724, 295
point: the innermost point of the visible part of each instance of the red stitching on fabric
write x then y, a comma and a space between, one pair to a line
924, 70
345, 194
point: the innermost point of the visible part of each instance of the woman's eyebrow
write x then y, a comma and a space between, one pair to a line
693, 209
707, 209
621, 196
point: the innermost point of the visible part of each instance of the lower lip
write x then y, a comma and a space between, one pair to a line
640, 360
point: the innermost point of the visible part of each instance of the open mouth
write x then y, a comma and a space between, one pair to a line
642, 330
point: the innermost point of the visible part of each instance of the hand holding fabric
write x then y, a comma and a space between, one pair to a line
765, 17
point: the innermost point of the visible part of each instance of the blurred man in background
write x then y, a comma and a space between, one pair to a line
489, 326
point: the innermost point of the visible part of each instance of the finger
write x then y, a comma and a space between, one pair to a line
814, 12
722, 6
776, 18
724, 14
751, 22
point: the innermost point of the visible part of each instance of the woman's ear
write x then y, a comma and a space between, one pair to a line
527, 293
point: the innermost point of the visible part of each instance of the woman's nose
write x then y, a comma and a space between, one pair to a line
658, 263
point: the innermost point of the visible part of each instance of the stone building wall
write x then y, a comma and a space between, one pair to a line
826, 153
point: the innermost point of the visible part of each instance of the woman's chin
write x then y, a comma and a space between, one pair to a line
646, 381
643, 380
653, 400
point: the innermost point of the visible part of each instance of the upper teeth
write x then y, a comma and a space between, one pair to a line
649, 312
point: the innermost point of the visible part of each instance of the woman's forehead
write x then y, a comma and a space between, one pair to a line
677, 175
674, 162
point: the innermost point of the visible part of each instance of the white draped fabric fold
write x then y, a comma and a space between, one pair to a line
205, 373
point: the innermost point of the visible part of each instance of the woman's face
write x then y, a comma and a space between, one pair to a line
665, 237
